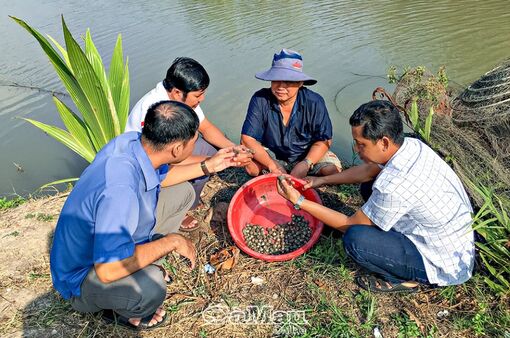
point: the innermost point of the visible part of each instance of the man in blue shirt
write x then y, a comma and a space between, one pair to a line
288, 125
121, 217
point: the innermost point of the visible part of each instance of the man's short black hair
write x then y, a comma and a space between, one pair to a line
186, 75
167, 122
379, 118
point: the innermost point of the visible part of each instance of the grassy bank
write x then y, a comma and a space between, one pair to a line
317, 288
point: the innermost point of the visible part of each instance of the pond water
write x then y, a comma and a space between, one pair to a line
347, 45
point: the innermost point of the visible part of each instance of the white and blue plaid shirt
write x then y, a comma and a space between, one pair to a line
420, 196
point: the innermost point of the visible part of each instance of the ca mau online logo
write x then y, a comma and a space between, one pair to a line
285, 322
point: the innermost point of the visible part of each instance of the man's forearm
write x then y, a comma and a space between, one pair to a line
333, 218
261, 155
318, 150
144, 255
358, 174
182, 173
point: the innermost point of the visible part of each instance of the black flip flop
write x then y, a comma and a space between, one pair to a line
111, 317
374, 284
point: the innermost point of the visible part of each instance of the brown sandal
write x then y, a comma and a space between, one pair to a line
374, 284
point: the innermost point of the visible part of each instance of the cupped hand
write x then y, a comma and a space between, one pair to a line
223, 159
313, 182
286, 189
185, 248
243, 155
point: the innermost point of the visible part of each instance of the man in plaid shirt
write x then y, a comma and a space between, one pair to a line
415, 226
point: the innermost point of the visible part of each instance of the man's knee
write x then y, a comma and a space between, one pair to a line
329, 170
356, 239
182, 192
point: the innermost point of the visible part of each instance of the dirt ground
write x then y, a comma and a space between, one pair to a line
311, 296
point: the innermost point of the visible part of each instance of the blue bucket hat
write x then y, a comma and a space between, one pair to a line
287, 66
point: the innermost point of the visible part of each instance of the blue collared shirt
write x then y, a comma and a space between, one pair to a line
309, 123
110, 210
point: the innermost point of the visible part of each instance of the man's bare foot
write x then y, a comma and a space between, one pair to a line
189, 224
157, 318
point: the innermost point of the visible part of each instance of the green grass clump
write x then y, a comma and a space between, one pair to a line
12, 203
492, 222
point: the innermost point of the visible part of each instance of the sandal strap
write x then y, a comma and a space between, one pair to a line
145, 321
375, 284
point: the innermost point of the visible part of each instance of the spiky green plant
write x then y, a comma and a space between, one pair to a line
493, 223
101, 99
414, 117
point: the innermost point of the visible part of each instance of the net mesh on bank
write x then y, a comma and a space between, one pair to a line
471, 128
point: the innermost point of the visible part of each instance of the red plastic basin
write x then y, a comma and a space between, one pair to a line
258, 202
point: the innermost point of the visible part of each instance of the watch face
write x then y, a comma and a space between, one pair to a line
310, 163
300, 200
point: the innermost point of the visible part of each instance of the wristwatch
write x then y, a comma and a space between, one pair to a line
299, 201
204, 168
310, 163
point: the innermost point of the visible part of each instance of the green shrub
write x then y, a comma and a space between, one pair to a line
12, 203
493, 224
102, 99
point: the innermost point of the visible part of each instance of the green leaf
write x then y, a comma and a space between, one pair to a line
104, 130
118, 79
495, 287
97, 65
76, 127
116, 72
66, 75
482, 225
123, 110
428, 125
63, 137
62, 51
493, 253
65, 180
414, 116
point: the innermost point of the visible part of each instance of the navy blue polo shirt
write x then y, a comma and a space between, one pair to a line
309, 123
110, 210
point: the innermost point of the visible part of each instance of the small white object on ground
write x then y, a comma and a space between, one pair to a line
257, 280
377, 333
443, 314
208, 268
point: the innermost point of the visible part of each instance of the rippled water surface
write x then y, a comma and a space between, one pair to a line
347, 45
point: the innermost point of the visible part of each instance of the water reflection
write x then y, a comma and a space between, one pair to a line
347, 46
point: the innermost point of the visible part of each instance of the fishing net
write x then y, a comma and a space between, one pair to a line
472, 130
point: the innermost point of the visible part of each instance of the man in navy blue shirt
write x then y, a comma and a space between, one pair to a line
122, 216
288, 125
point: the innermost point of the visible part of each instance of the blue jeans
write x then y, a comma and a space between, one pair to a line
387, 253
